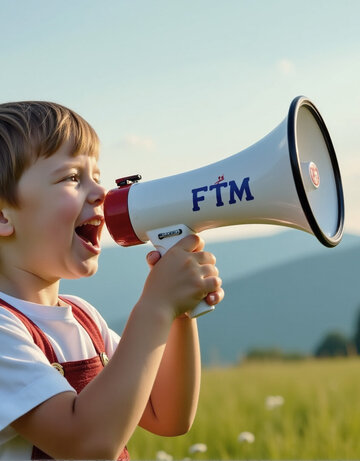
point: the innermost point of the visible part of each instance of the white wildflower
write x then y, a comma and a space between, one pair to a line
274, 401
163, 456
198, 448
246, 437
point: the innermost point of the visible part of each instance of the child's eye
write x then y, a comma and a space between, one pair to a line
73, 178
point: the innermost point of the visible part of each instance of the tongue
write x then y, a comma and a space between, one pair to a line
88, 233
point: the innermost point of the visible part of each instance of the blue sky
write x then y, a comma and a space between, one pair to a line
174, 85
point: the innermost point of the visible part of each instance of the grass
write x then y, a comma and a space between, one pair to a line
320, 417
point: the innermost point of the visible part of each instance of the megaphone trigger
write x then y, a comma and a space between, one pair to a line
163, 239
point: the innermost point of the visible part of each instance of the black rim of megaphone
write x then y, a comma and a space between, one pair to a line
296, 169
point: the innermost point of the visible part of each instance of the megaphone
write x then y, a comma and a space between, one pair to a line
289, 178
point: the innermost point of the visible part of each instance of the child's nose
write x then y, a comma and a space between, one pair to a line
97, 194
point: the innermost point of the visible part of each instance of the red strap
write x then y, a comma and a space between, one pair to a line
88, 324
39, 338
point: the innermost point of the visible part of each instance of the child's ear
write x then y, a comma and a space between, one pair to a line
6, 227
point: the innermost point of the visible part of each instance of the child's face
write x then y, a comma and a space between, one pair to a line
58, 225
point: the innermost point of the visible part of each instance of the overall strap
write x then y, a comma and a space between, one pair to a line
88, 324
39, 337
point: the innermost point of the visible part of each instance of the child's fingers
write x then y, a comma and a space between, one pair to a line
215, 297
152, 258
200, 244
204, 257
191, 243
211, 284
208, 270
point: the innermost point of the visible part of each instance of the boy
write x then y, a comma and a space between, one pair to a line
53, 347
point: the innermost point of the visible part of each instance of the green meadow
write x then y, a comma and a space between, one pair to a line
318, 419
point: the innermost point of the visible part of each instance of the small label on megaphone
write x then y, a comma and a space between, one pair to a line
172, 233
314, 174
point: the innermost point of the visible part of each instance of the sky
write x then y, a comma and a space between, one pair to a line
173, 85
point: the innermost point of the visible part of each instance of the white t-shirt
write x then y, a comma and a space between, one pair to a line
26, 377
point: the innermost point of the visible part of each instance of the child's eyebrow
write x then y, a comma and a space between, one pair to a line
65, 167
73, 165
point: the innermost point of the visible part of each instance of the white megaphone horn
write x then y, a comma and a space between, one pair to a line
290, 178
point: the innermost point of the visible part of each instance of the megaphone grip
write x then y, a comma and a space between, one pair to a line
201, 309
165, 238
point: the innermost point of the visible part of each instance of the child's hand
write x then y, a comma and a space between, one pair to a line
183, 277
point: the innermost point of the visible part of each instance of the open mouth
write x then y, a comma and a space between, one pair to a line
90, 231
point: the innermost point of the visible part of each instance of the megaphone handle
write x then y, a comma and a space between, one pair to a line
163, 239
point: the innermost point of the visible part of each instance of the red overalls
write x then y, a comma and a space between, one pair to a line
78, 373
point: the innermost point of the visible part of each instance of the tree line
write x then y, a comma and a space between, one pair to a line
333, 344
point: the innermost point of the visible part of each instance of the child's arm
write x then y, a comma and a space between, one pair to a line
99, 421
174, 397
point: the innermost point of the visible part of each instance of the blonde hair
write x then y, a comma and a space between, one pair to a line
33, 129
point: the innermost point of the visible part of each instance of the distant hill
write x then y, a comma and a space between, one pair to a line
291, 306
285, 290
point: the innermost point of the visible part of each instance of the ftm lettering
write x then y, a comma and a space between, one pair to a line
230, 189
